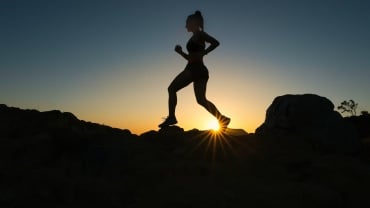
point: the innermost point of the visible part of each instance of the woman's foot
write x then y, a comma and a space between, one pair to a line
224, 122
170, 120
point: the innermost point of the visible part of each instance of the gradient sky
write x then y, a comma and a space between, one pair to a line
110, 62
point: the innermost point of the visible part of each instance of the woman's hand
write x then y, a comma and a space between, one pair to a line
178, 49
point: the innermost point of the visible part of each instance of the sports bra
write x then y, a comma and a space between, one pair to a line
193, 46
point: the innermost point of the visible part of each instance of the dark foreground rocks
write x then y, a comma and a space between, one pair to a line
52, 159
362, 124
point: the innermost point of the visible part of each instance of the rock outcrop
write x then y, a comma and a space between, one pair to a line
310, 117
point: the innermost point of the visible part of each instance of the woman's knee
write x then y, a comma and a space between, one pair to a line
171, 90
202, 101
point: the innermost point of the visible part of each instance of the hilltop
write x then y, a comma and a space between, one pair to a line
53, 159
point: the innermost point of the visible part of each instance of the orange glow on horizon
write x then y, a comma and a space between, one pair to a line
113, 101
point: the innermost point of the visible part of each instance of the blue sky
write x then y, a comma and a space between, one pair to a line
111, 61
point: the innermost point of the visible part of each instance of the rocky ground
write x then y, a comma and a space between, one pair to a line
53, 159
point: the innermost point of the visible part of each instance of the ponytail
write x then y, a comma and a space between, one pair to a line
199, 17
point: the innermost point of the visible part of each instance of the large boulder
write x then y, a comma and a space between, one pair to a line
310, 117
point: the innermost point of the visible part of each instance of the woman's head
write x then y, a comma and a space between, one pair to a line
195, 22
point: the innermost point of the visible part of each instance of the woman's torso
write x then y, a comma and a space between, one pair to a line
196, 46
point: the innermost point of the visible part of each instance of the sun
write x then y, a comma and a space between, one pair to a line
213, 125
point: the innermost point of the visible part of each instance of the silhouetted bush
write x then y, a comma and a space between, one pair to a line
349, 107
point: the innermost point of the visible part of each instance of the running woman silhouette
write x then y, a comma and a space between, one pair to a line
195, 71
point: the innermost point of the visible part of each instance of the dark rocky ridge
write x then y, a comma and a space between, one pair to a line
52, 159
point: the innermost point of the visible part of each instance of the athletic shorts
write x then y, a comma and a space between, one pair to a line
198, 70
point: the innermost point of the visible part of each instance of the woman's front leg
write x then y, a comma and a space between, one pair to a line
181, 81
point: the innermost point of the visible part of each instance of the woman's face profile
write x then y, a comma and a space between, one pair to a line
192, 25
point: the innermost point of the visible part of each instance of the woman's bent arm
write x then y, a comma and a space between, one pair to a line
209, 39
184, 55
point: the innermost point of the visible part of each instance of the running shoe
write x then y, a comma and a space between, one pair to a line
168, 122
224, 122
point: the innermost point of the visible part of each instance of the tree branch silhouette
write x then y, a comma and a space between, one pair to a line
349, 106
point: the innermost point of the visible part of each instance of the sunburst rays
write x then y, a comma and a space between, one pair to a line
215, 145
